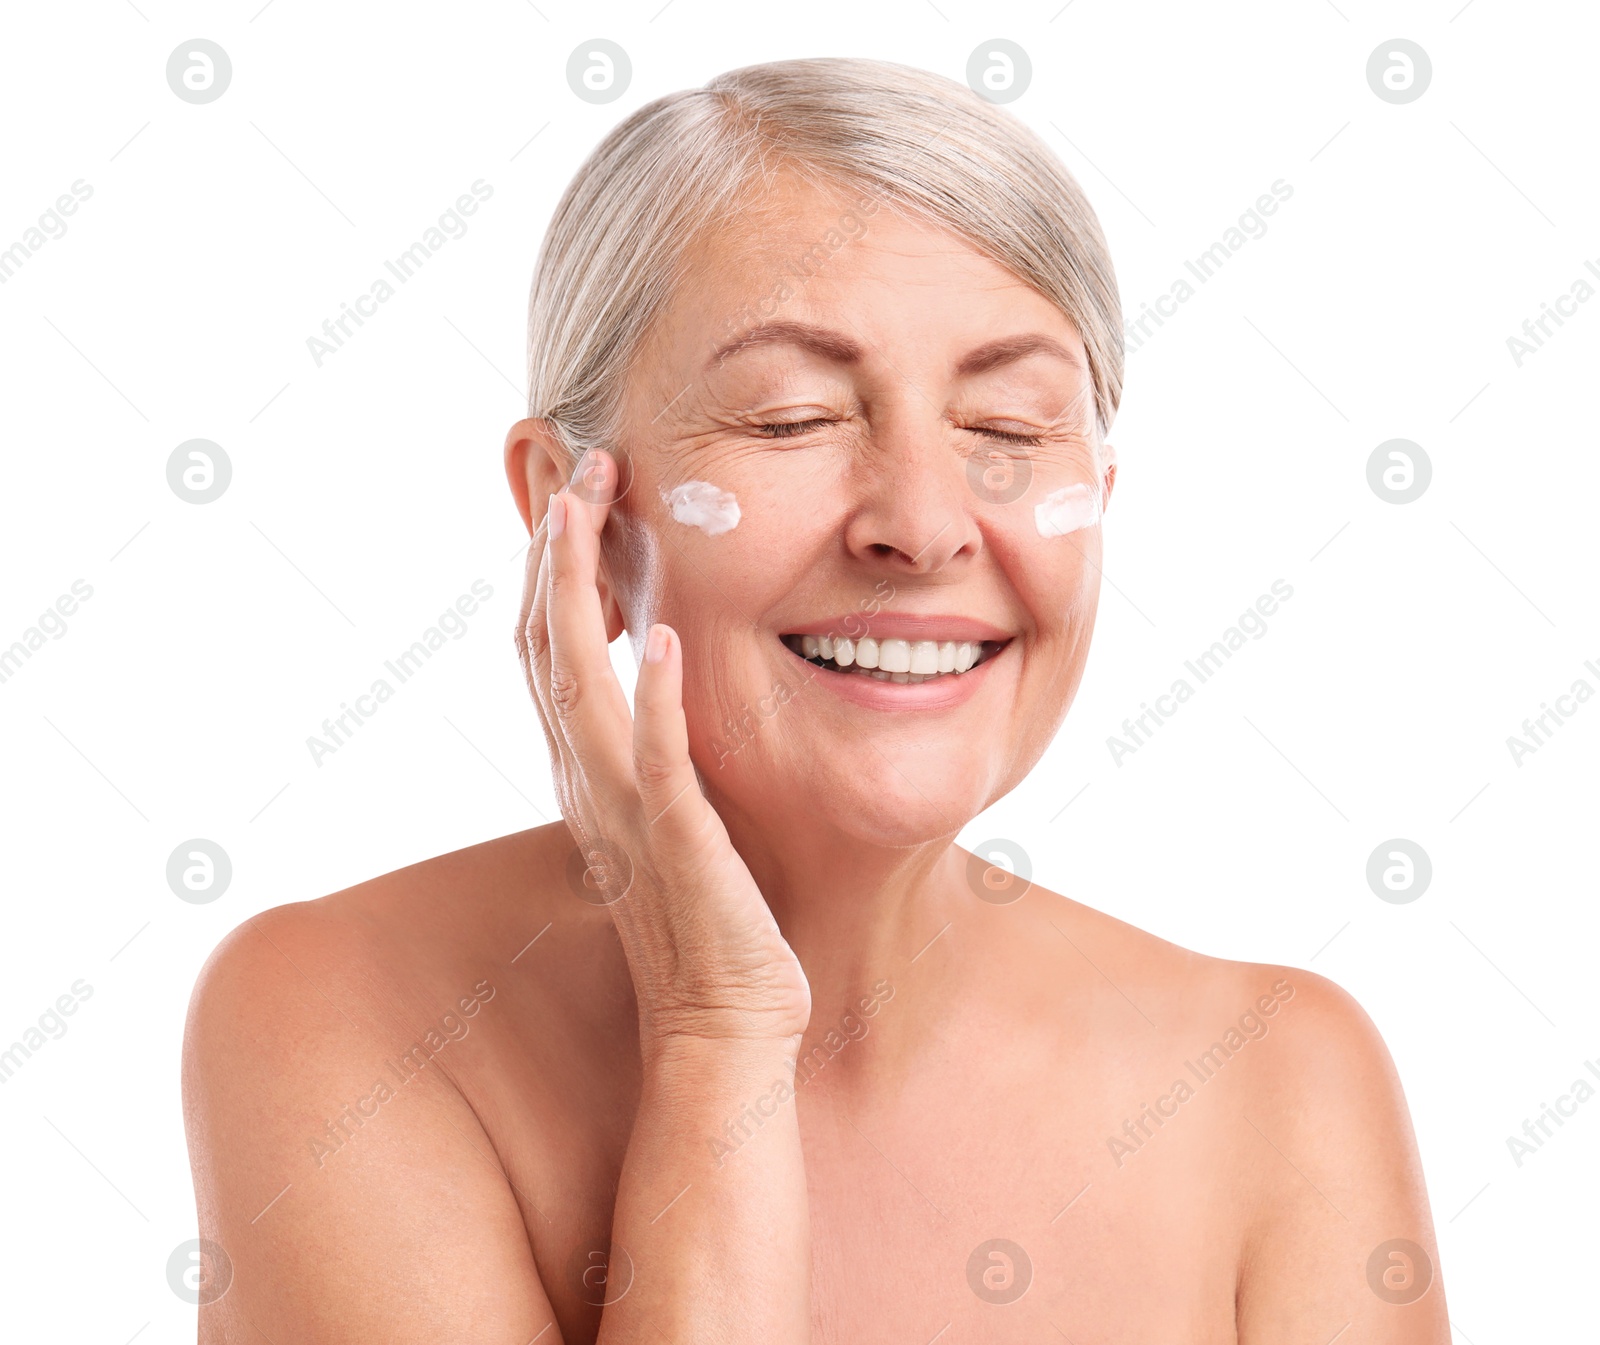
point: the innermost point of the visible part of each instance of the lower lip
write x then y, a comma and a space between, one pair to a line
942, 693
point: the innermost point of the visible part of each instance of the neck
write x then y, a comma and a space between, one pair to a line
853, 912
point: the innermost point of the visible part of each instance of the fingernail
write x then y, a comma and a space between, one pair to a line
655, 644
558, 514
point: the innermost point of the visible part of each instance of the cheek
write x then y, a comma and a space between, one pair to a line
747, 532
1049, 547
718, 587
719, 557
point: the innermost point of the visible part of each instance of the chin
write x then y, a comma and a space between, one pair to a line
882, 803
906, 822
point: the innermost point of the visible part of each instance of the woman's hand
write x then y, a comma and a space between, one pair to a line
706, 956
722, 999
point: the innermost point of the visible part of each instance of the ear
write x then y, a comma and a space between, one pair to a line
1108, 455
537, 466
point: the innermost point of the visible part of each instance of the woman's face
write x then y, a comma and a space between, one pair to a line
907, 432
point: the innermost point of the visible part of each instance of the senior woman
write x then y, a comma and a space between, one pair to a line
823, 356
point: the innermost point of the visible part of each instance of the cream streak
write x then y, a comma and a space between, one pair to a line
1067, 510
701, 505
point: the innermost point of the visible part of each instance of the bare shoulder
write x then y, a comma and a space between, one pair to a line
1300, 1056
372, 967
1312, 1034
390, 934
331, 1141
297, 976
1340, 1224
1291, 1098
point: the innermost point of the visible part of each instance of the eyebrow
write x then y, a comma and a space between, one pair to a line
830, 345
840, 349
1010, 348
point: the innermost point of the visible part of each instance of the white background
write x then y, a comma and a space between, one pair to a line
368, 494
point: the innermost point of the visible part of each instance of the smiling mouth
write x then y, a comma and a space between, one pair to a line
905, 661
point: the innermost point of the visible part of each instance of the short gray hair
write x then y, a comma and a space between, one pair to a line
675, 168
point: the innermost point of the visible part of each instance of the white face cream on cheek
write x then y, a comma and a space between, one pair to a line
701, 505
1067, 510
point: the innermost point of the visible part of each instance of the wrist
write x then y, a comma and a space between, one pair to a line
735, 1022
718, 1048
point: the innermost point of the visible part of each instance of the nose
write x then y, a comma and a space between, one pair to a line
914, 505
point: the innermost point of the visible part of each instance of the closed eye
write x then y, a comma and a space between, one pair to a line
1007, 436
790, 428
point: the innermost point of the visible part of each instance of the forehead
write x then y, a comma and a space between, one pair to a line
797, 251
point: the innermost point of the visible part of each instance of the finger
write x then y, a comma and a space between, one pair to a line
595, 479
587, 699
527, 634
532, 637
674, 807
533, 650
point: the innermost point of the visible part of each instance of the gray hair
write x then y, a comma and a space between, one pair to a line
618, 242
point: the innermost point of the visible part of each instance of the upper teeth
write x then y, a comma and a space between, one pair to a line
924, 657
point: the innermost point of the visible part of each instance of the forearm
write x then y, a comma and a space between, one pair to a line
711, 1205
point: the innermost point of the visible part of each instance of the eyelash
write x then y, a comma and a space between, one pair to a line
791, 429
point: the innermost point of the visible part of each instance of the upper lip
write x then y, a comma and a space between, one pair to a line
902, 626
